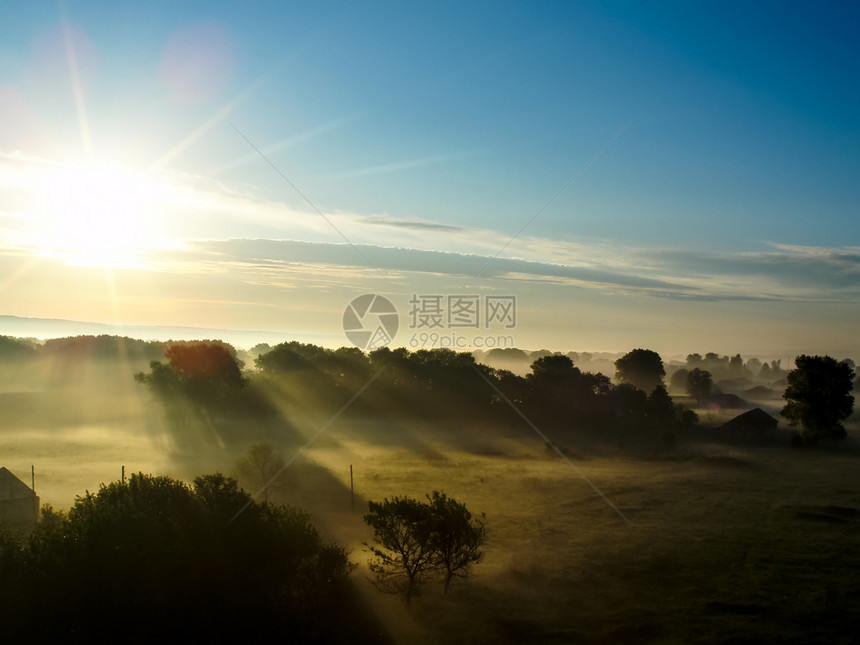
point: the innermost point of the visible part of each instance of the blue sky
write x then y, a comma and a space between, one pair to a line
721, 217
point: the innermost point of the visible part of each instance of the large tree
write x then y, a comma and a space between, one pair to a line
699, 384
202, 381
818, 397
642, 368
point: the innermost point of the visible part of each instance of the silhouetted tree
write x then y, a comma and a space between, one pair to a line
753, 365
206, 361
776, 371
685, 418
630, 405
259, 468
169, 387
699, 384
514, 386
290, 357
558, 392
818, 397
456, 539
404, 554
678, 380
642, 368
203, 380
552, 368
173, 560
660, 409
414, 540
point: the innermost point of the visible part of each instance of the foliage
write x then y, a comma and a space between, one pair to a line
818, 397
685, 418
15, 349
678, 380
642, 368
660, 409
168, 386
456, 538
699, 384
102, 347
201, 381
402, 530
724, 367
205, 361
415, 540
170, 559
630, 405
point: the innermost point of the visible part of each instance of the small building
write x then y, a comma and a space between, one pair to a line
19, 504
752, 424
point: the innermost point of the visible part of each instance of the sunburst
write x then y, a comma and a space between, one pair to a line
100, 214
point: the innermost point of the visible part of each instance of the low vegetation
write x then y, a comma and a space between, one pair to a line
151, 558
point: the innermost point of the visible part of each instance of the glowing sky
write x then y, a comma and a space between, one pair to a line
256, 166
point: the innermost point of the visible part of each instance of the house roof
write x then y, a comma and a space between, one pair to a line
756, 417
11, 487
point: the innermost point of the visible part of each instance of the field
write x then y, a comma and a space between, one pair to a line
721, 542
724, 543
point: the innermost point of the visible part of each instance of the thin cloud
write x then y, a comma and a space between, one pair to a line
685, 276
792, 269
217, 225
417, 225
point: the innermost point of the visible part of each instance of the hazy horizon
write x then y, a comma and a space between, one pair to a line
246, 339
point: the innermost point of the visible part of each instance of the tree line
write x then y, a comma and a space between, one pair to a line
204, 381
208, 382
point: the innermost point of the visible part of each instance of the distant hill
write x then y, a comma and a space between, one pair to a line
43, 328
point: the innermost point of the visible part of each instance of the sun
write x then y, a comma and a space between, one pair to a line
100, 214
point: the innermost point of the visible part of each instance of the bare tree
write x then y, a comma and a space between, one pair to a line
263, 470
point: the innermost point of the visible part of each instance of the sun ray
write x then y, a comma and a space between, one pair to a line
77, 89
212, 121
23, 269
253, 157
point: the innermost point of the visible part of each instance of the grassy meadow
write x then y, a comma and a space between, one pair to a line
722, 542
